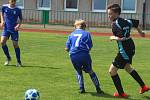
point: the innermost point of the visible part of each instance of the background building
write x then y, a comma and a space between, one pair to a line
93, 11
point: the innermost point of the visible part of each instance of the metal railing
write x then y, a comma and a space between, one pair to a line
64, 17
93, 19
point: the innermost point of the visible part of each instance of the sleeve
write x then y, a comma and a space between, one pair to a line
68, 43
116, 29
135, 23
90, 44
20, 14
3, 9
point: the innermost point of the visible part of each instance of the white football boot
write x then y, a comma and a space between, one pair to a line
7, 62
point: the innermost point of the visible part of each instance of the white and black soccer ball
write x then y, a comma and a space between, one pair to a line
32, 94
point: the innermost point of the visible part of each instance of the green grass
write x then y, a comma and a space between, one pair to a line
47, 68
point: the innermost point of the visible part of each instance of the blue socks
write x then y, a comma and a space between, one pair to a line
80, 80
17, 51
6, 51
95, 80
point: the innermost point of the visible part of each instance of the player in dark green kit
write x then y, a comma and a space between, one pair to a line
121, 33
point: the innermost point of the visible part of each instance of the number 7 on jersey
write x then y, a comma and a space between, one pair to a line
78, 39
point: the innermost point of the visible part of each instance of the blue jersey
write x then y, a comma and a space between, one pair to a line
79, 41
11, 16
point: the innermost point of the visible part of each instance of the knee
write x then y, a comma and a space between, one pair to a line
128, 68
112, 73
15, 45
79, 73
3, 43
91, 72
112, 70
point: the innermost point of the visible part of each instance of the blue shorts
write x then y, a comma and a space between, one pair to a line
14, 34
81, 61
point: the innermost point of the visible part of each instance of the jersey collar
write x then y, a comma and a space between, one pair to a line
116, 19
11, 7
79, 29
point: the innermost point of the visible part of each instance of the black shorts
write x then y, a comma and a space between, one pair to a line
120, 62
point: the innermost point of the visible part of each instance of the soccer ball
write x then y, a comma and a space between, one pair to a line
32, 94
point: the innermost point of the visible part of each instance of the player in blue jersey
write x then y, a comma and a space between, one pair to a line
11, 18
121, 33
78, 45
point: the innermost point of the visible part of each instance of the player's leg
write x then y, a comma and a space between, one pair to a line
116, 80
117, 64
95, 81
76, 61
137, 77
14, 37
5, 49
87, 67
80, 81
17, 52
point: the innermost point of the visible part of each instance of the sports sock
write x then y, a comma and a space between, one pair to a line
6, 51
80, 80
136, 76
117, 83
94, 79
17, 51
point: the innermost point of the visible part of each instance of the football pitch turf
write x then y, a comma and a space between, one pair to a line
47, 68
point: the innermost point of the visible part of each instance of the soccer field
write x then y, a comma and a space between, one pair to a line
48, 69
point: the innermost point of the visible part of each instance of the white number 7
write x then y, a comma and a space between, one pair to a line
78, 39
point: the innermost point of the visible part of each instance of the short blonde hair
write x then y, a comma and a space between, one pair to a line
80, 23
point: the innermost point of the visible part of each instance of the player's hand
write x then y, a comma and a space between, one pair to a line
113, 38
17, 27
66, 49
142, 34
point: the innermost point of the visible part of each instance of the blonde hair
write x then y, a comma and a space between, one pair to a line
80, 23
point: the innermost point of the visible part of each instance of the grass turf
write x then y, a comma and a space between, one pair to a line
48, 69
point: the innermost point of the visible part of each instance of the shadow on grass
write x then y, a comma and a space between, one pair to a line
147, 97
41, 66
106, 95
36, 66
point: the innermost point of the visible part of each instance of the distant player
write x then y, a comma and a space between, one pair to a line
79, 44
121, 33
11, 18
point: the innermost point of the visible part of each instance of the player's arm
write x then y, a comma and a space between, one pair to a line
135, 24
18, 25
68, 43
2, 17
90, 44
142, 34
116, 30
114, 38
118, 38
19, 21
